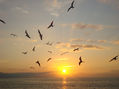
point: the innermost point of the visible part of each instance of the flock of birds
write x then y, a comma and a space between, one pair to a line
50, 44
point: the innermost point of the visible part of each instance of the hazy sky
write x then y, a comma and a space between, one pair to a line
93, 26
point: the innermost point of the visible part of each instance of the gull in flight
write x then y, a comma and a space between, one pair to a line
24, 52
27, 35
64, 53
38, 63
2, 21
33, 49
51, 24
48, 43
41, 36
50, 51
80, 61
31, 67
72, 6
115, 58
76, 49
14, 35
49, 59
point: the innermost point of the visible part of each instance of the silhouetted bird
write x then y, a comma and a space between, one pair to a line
41, 36
27, 35
24, 52
49, 59
76, 49
64, 53
14, 35
115, 58
72, 6
51, 25
38, 63
80, 61
31, 67
2, 21
50, 51
48, 43
33, 49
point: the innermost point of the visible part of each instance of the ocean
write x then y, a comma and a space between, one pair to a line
59, 83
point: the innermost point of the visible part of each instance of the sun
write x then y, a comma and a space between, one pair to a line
64, 71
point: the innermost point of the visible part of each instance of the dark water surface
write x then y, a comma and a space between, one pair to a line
55, 83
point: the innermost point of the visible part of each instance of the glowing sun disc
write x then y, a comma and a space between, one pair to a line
64, 71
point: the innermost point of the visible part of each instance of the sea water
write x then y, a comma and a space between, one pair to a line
59, 83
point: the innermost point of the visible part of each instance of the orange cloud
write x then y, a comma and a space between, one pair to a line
87, 26
83, 40
87, 46
116, 42
68, 45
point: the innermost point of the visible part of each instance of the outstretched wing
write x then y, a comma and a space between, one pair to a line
80, 63
72, 3
49, 59
40, 34
51, 24
13, 35
33, 48
111, 60
80, 59
69, 9
2, 21
27, 34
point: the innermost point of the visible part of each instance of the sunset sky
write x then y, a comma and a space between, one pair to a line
92, 26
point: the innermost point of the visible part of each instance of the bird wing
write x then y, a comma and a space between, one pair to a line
27, 34
2, 21
13, 34
80, 63
49, 59
69, 9
52, 23
50, 51
72, 3
111, 59
38, 63
49, 26
33, 48
24, 52
40, 34
80, 59
74, 50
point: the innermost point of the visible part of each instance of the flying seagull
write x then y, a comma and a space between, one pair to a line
14, 35
2, 21
31, 67
24, 52
50, 51
76, 49
64, 53
41, 36
51, 24
72, 6
38, 63
115, 58
49, 59
33, 49
80, 61
48, 43
27, 35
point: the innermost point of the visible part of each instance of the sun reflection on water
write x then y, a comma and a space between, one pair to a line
64, 82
